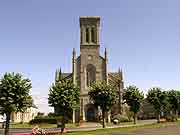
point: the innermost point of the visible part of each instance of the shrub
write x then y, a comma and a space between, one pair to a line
43, 120
119, 118
130, 115
48, 120
171, 118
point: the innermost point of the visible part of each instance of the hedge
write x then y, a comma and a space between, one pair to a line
43, 120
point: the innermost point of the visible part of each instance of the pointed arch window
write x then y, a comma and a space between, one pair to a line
90, 74
92, 35
87, 35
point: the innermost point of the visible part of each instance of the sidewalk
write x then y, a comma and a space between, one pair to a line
91, 127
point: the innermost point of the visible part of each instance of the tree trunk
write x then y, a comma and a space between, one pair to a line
63, 125
74, 116
134, 118
109, 117
7, 123
103, 118
176, 113
158, 117
63, 122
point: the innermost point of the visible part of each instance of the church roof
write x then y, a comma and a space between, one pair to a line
90, 17
34, 106
66, 75
115, 75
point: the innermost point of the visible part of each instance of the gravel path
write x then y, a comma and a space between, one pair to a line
170, 130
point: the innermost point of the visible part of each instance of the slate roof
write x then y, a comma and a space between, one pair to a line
115, 75
66, 75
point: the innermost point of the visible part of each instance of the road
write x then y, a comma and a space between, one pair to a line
167, 130
29, 130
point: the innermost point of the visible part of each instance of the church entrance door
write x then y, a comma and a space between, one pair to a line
90, 114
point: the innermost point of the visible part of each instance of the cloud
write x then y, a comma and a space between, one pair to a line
42, 103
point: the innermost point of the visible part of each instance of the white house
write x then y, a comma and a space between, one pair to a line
26, 116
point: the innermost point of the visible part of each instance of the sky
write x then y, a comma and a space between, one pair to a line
141, 36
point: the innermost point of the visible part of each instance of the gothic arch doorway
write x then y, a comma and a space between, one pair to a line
90, 113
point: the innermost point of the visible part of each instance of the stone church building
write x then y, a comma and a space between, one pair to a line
90, 66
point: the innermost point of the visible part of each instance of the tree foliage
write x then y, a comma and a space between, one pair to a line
64, 96
174, 100
14, 95
158, 99
133, 97
103, 96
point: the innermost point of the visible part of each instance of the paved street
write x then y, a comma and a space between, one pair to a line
28, 130
168, 130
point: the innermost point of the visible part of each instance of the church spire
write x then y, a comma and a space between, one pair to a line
60, 74
74, 66
105, 55
74, 54
106, 62
119, 70
120, 73
57, 75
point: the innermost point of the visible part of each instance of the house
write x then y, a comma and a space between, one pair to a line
29, 114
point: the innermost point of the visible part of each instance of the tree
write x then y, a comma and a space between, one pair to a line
14, 95
64, 95
133, 97
158, 99
51, 115
174, 100
103, 96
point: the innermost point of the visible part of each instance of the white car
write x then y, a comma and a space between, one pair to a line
2, 119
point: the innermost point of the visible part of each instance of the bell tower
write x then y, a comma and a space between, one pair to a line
90, 60
89, 49
89, 30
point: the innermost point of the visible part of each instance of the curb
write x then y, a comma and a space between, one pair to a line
48, 133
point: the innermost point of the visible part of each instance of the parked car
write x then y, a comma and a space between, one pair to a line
2, 119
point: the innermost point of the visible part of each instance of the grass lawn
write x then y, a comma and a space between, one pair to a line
124, 129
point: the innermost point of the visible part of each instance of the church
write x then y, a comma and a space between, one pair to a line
90, 66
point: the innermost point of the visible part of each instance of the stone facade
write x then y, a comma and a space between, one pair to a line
29, 114
88, 67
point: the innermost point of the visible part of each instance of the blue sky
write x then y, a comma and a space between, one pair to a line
142, 37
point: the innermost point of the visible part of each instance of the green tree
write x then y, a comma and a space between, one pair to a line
14, 95
64, 95
133, 97
158, 99
174, 100
52, 115
103, 96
